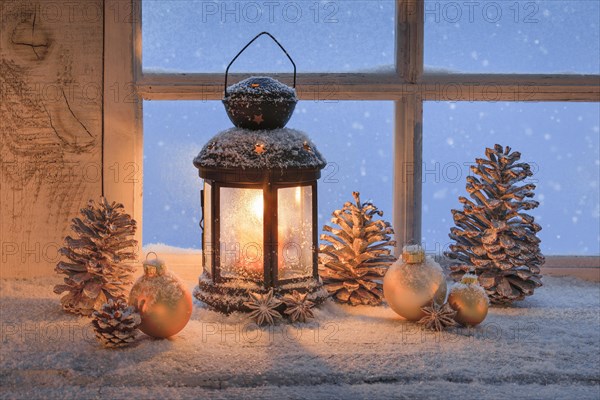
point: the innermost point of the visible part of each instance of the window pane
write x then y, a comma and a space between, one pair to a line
241, 234
295, 240
208, 254
355, 137
546, 36
321, 36
560, 141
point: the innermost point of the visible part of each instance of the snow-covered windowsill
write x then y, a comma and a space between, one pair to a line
187, 263
544, 347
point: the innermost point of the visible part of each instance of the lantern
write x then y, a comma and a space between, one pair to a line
259, 200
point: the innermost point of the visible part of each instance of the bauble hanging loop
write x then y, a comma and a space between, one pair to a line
413, 254
154, 267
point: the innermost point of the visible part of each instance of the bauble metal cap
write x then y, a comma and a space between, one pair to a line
155, 266
413, 254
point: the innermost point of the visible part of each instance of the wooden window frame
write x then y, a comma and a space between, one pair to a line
408, 87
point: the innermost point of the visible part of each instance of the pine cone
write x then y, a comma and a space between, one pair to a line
494, 238
116, 324
358, 255
97, 270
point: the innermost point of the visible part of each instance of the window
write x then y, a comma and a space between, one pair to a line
337, 36
399, 55
513, 36
560, 141
356, 136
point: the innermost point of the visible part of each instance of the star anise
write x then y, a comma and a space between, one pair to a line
437, 317
264, 308
298, 308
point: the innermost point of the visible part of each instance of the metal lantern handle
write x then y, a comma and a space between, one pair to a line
249, 43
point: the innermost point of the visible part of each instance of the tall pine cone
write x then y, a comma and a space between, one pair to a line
116, 324
494, 238
97, 270
358, 255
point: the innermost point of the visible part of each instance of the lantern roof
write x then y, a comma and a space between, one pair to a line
260, 102
258, 87
282, 148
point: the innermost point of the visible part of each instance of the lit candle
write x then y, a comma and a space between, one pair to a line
241, 237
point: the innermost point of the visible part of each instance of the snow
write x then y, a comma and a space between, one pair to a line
261, 87
284, 148
459, 286
161, 248
149, 289
544, 347
412, 249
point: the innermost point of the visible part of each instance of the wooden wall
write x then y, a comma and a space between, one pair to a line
51, 85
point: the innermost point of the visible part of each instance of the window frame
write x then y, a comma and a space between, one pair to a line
409, 86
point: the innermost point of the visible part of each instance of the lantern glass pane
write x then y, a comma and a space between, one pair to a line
241, 233
328, 36
207, 250
295, 232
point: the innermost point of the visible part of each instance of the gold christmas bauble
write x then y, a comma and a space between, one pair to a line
412, 282
163, 301
469, 300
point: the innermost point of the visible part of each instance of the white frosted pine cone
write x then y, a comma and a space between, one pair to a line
116, 324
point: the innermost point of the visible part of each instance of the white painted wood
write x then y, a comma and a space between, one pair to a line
408, 132
325, 87
123, 145
409, 40
507, 87
582, 267
50, 128
407, 171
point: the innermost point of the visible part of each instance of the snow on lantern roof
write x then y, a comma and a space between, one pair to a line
260, 102
261, 87
281, 148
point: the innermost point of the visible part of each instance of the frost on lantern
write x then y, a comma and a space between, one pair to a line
242, 237
295, 232
242, 233
259, 201
260, 216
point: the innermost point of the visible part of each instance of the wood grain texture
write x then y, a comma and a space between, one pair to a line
50, 126
123, 145
408, 145
363, 86
410, 21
